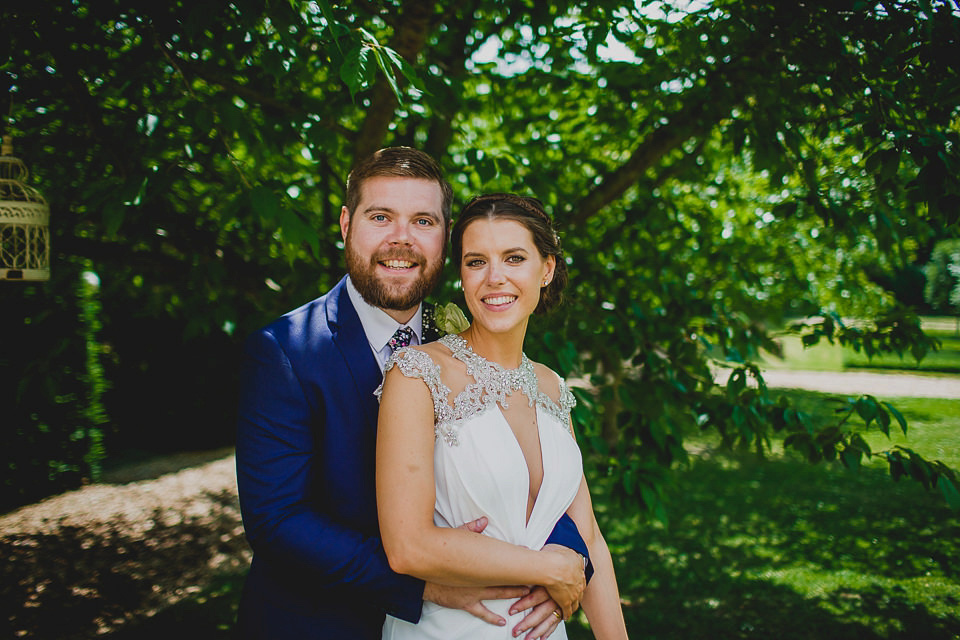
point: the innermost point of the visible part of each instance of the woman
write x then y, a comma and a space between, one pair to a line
470, 427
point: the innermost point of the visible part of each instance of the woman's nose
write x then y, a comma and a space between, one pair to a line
495, 274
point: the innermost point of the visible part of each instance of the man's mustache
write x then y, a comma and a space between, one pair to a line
399, 254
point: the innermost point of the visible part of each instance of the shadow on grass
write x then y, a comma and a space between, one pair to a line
210, 615
72, 582
780, 548
755, 549
775, 548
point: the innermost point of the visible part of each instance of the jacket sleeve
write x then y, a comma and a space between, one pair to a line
276, 476
566, 534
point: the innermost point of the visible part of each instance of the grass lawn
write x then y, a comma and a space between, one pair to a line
758, 549
833, 357
783, 549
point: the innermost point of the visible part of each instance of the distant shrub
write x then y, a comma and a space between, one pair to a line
942, 289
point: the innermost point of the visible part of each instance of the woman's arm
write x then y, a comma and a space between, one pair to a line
405, 502
601, 600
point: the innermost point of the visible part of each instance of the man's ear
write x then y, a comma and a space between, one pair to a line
344, 222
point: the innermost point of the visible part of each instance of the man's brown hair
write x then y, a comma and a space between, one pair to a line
402, 162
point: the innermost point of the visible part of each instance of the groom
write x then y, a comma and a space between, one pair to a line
308, 416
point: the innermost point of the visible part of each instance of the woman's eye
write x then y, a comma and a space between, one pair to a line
475, 262
516, 259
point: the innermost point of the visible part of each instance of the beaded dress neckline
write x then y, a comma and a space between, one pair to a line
491, 385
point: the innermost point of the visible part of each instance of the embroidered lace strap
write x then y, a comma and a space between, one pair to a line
417, 364
560, 409
567, 400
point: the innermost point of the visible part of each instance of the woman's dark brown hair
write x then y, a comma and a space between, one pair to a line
530, 213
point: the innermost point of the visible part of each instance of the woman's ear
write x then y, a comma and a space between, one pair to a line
550, 265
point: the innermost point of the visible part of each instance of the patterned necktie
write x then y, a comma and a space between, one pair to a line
401, 338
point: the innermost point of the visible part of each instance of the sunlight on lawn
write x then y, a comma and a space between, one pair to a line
826, 356
754, 546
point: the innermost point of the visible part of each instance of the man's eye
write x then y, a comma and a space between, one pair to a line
380, 217
424, 222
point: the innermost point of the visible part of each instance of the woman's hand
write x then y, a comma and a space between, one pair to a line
567, 580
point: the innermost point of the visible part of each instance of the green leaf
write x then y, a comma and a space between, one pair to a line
785, 210
388, 72
851, 458
857, 442
406, 69
629, 483
599, 445
866, 407
883, 419
113, 214
357, 70
330, 20
736, 383
897, 416
266, 204
949, 491
486, 169
650, 498
895, 462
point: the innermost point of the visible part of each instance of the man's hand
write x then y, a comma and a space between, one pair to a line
469, 599
544, 616
476, 526
568, 588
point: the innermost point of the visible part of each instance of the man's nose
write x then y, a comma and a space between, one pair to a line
399, 234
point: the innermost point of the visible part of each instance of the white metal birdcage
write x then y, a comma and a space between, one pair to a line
24, 222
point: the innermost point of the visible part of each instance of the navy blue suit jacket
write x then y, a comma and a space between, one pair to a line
306, 446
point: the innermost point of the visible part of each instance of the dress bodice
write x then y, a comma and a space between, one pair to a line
480, 469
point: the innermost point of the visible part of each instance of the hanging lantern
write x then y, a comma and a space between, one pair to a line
24, 222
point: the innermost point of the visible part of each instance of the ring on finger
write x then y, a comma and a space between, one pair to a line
557, 613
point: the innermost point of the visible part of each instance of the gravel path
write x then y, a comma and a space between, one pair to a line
882, 385
87, 562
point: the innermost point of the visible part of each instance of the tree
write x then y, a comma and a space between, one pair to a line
942, 279
942, 288
714, 169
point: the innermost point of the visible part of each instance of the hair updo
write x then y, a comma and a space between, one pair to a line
530, 213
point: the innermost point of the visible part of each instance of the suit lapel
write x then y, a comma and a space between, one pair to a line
350, 339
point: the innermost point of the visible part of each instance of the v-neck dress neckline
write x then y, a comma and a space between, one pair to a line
480, 470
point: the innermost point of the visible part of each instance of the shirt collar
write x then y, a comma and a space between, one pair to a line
377, 325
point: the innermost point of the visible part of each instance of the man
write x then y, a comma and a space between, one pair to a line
307, 424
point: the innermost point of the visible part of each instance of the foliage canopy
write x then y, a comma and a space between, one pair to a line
715, 168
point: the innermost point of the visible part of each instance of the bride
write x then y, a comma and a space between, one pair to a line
470, 427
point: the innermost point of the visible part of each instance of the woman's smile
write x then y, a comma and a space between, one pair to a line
498, 300
502, 273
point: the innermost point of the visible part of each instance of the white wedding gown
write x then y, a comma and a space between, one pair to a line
480, 469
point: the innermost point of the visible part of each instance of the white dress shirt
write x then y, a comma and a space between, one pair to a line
379, 327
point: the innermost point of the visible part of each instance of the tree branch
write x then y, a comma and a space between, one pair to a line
408, 40
668, 137
702, 111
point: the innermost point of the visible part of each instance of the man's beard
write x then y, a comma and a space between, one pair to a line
363, 274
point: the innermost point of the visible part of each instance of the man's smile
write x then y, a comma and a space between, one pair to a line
398, 264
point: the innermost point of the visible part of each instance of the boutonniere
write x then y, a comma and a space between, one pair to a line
445, 319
